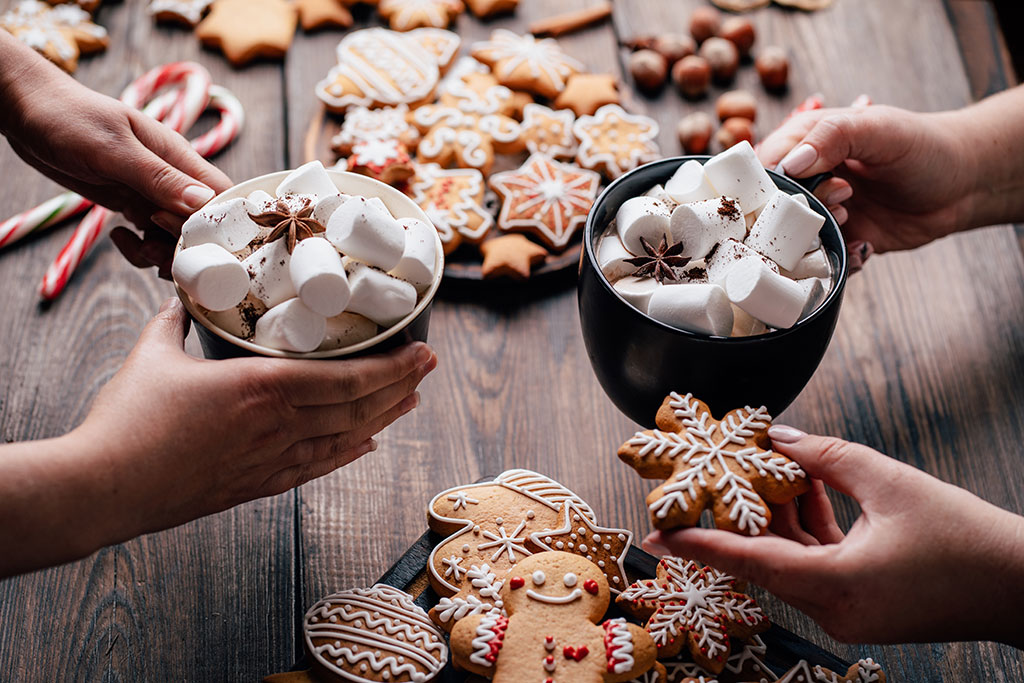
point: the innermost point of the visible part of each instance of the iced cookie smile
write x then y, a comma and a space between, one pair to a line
553, 600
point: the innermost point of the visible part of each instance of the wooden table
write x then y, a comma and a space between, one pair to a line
926, 365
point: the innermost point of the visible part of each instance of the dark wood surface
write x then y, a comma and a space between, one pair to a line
926, 365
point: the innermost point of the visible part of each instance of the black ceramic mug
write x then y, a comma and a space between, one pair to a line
639, 360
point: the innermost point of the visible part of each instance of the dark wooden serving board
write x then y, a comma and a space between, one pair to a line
409, 574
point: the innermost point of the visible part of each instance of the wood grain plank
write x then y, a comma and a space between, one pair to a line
169, 606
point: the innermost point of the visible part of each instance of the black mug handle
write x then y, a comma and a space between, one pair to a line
811, 183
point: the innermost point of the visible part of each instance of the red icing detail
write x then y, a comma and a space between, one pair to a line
499, 639
590, 586
550, 659
609, 646
575, 653
516, 582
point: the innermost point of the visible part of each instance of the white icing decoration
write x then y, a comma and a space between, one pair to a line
507, 51
470, 135
452, 567
485, 633
559, 123
576, 594
600, 148
377, 153
538, 578
406, 14
505, 543
619, 651
362, 124
190, 11
460, 499
463, 213
569, 579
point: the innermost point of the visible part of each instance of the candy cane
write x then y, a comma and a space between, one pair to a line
50, 212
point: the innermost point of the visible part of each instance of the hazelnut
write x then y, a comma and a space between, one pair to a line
695, 132
692, 75
673, 46
740, 32
773, 68
704, 23
649, 69
723, 57
736, 103
734, 130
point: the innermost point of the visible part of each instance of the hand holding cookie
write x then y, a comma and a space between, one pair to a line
899, 574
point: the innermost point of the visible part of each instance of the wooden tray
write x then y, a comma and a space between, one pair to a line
409, 573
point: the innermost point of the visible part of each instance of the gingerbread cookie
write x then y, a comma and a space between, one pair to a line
453, 200
378, 67
548, 131
864, 671
405, 15
247, 29
613, 142
745, 663
362, 124
584, 94
477, 93
523, 62
385, 160
444, 45
61, 34
488, 8
317, 14
694, 606
455, 138
545, 198
478, 595
187, 12
372, 635
554, 601
511, 256
604, 547
725, 465
87, 5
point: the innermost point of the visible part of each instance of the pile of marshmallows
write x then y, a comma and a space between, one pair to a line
751, 269
366, 269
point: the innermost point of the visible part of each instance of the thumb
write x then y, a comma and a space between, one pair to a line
847, 134
850, 468
167, 330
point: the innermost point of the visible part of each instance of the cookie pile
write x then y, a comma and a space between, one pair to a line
308, 269
417, 117
59, 32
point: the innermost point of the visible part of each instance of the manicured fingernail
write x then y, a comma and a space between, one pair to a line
410, 402
369, 445
423, 354
798, 160
169, 304
428, 367
785, 434
840, 194
652, 544
195, 196
861, 101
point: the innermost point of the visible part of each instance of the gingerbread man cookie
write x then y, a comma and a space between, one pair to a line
372, 635
523, 62
689, 605
724, 465
453, 200
613, 142
864, 671
455, 138
554, 601
405, 15
548, 131
247, 29
545, 198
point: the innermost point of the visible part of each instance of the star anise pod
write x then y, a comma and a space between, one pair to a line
294, 226
659, 262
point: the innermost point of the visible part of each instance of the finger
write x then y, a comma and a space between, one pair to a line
175, 150
833, 191
130, 245
170, 222
786, 523
167, 330
840, 213
850, 468
836, 137
771, 150
307, 383
817, 515
342, 417
292, 477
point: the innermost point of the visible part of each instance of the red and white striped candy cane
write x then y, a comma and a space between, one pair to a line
50, 212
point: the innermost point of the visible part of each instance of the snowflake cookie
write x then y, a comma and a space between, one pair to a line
723, 465
385, 160
456, 138
613, 142
371, 635
694, 606
522, 62
746, 664
453, 200
864, 671
553, 603
545, 198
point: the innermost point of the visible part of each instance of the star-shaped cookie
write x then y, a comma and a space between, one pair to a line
604, 547
511, 256
613, 142
523, 62
266, 29
317, 14
586, 93
405, 15
187, 12
548, 131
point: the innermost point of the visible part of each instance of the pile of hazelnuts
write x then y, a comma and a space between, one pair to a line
711, 53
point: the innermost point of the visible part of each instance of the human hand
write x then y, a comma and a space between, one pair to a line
902, 179
900, 574
174, 438
109, 153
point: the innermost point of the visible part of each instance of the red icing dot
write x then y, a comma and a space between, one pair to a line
590, 586
516, 582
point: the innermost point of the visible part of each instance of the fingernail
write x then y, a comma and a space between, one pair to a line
798, 160
429, 366
169, 304
370, 445
163, 220
422, 354
195, 196
410, 402
840, 194
785, 434
652, 544
857, 252
861, 101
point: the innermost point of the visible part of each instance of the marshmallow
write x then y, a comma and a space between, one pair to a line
771, 298
326, 206
801, 198
211, 276
642, 217
268, 269
420, 256
347, 329
727, 256
239, 320
260, 199
815, 289
291, 326
697, 308
815, 243
736, 172
690, 184
318, 276
611, 257
382, 298
701, 225
658, 192
637, 290
744, 324
812, 264
784, 230
309, 179
364, 229
749, 220
227, 224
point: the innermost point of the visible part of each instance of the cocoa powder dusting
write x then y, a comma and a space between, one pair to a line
729, 209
